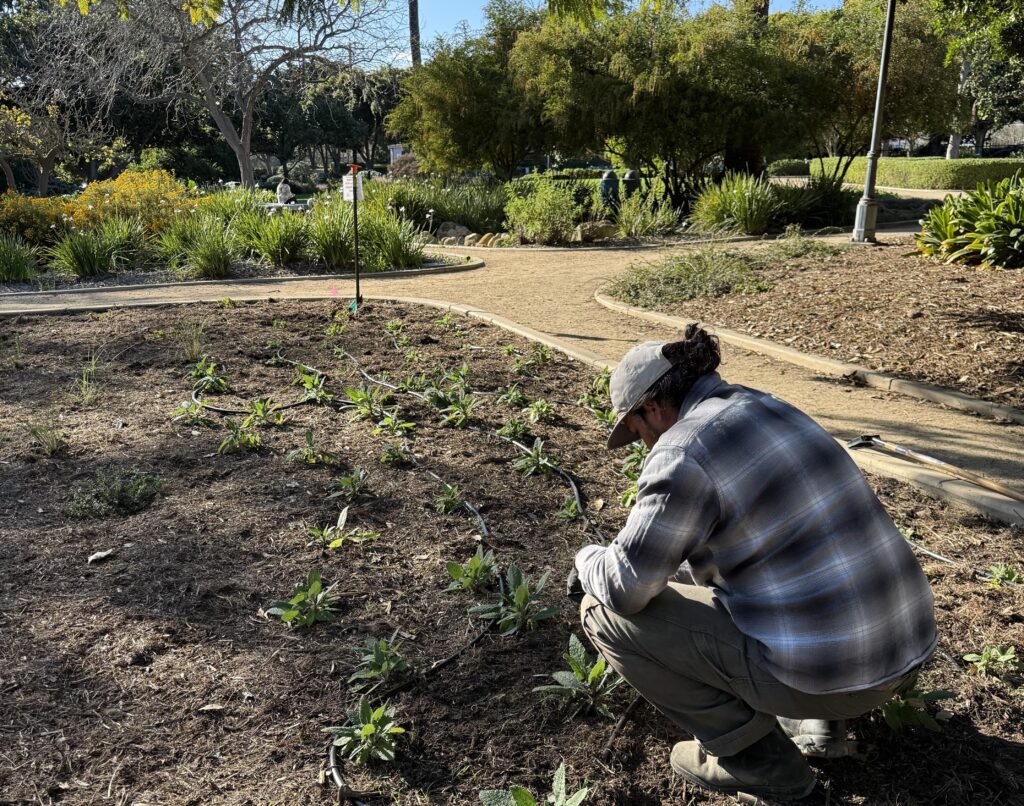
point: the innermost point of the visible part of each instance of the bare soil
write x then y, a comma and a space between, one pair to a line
155, 676
891, 311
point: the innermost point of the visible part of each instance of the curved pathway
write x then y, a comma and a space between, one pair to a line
552, 291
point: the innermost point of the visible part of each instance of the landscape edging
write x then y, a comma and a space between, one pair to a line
397, 273
876, 380
932, 482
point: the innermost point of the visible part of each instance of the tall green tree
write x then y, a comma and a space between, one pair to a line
463, 110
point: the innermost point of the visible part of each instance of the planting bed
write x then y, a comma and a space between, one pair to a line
890, 311
156, 676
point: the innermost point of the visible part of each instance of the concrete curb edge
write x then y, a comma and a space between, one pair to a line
876, 380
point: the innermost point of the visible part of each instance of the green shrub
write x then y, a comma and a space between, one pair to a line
546, 213
212, 250
127, 236
388, 241
984, 226
479, 206
788, 168
226, 204
85, 253
39, 221
114, 491
705, 272
281, 239
330, 235
821, 202
927, 172
740, 203
17, 259
638, 217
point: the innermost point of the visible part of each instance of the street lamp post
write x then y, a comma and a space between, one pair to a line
867, 208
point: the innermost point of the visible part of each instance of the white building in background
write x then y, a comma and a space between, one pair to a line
396, 150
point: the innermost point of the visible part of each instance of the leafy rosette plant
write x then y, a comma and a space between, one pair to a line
586, 686
517, 796
310, 602
370, 734
519, 607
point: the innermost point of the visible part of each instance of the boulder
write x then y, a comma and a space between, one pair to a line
594, 231
486, 240
449, 229
450, 241
471, 239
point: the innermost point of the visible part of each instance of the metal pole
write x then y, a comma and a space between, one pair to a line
867, 208
354, 169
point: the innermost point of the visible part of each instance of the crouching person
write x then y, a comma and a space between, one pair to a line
758, 595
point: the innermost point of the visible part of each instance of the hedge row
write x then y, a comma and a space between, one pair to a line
789, 167
933, 173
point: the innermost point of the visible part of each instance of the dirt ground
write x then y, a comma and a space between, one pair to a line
155, 677
891, 311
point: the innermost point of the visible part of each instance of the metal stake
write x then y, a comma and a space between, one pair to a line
354, 169
867, 207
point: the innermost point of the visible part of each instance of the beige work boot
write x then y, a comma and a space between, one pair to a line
770, 768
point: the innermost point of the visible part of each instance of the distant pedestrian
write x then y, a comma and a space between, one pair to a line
284, 191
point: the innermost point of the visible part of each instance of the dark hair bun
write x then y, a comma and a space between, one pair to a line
698, 352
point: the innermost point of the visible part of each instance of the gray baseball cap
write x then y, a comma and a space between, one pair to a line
637, 372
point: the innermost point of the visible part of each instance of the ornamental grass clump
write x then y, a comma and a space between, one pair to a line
211, 252
705, 272
85, 253
330, 236
740, 203
281, 239
639, 217
388, 241
17, 259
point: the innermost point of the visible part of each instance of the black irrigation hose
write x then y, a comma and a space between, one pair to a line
282, 407
606, 753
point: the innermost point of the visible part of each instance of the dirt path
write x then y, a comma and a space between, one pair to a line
552, 291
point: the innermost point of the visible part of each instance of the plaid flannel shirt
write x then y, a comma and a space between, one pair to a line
748, 495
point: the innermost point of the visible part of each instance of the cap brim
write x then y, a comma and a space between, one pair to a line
621, 435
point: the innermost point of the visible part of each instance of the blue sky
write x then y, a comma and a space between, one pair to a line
442, 16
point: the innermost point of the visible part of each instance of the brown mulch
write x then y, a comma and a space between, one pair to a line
155, 677
954, 326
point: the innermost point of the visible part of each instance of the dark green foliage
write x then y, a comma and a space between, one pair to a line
788, 168
115, 491
907, 707
518, 609
587, 685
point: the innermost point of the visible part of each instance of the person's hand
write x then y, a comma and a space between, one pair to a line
573, 586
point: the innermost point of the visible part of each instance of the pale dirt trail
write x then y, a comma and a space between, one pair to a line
552, 291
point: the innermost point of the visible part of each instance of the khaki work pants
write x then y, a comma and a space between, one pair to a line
685, 655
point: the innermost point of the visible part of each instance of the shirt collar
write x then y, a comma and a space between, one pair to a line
702, 389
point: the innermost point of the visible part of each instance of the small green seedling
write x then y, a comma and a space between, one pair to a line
597, 394
459, 413
263, 411
628, 497
369, 735
513, 396
414, 383
239, 439
394, 326
586, 687
995, 661
633, 463
313, 385
509, 349
380, 663
438, 397
279, 324
392, 423
367, 403
395, 455
335, 329
514, 429
449, 501
208, 378
539, 411
311, 454
227, 303
535, 461
445, 321
310, 602
336, 535
541, 355
17, 353
1003, 574
86, 390
518, 609
570, 510
414, 356
191, 413
458, 378
521, 366
352, 487
907, 707
606, 417
45, 437
517, 796
190, 342
474, 575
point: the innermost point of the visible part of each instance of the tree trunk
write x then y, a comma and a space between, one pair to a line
953, 149
414, 32
8, 174
43, 175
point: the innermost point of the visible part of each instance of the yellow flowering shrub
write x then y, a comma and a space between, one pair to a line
38, 221
154, 196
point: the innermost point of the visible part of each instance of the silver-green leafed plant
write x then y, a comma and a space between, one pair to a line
517, 796
586, 686
369, 735
519, 608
